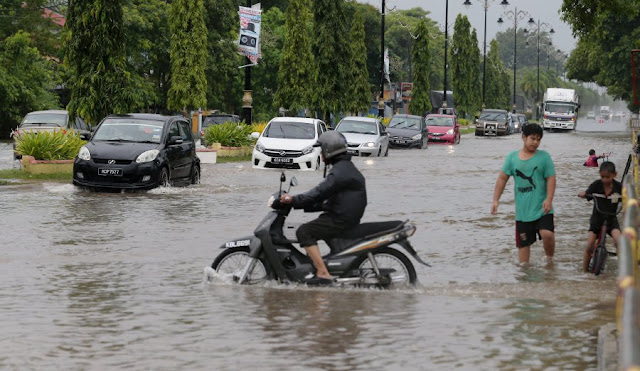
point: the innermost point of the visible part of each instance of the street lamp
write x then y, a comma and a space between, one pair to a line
514, 15
446, 46
381, 99
504, 4
539, 26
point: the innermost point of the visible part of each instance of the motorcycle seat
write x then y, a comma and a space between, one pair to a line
363, 231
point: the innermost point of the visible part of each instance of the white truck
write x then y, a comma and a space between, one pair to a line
605, 113
560, 109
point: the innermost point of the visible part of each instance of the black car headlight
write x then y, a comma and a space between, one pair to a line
84, 153
147, 156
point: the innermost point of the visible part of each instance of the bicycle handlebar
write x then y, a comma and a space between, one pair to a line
615, 198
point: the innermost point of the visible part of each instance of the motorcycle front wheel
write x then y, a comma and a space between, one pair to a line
403, 275
233, 261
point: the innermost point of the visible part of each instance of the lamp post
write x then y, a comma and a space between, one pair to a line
514, 15
539, 26
381, 98
446, 46
467, 3
247, 100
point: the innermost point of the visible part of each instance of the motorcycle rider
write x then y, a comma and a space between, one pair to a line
341, 195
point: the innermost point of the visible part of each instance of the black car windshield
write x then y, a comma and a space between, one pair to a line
359, 127
213, 120
559, 108
129, 130
493, 116
290, 130
410, 123
49, 119
439, 121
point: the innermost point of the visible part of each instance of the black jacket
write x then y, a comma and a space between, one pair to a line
342, 195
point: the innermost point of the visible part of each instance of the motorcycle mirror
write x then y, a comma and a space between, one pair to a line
294, 182
282, 177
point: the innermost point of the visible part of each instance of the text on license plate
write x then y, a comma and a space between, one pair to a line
282, 160
400, 141
352, 151
110, 172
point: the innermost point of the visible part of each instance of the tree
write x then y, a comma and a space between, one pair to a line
331, 49
421, 99
188, 51
476, 73
464, 62
297, 69
100, 82
497, 79
359, 93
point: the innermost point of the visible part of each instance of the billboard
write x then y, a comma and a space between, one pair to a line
249, 38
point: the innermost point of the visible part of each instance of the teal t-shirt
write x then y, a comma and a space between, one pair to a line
530, 183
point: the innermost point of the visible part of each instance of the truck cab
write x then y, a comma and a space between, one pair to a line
560, 109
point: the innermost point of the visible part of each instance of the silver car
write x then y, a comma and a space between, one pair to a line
366, 136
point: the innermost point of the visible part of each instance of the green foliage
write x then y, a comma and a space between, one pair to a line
359, 93
421, 100
497, 80
297, 69
188, 51
49, 145
229, 134
100, 80
463, 122
465, 66
26, 177
332, 51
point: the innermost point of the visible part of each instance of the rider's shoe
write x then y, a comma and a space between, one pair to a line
313, 280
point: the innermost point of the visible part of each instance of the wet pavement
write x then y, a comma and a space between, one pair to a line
116, 280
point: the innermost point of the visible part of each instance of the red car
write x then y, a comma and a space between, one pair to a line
443, 128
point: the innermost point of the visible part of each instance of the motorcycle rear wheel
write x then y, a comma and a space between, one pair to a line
232, 261
388, 258
599, 258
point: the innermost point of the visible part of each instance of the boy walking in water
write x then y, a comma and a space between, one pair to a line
534, 187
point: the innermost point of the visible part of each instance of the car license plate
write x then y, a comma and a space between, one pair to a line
282, 160
110, 172
352, 152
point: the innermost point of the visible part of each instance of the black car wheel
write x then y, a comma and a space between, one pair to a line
163, 179
195, 175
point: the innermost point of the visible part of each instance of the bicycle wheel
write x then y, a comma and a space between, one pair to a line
599, 258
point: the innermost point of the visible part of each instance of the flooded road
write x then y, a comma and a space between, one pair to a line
115, 280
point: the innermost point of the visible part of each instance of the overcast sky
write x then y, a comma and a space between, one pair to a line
544, 10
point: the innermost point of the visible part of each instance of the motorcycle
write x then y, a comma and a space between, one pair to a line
363, 256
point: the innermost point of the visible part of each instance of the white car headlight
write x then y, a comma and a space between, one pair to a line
259, 147
307, 150
450, 132
84, 153
369, 144
147, 156
417, 136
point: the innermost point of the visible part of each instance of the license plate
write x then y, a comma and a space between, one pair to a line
110, 172
282, 160
352, 151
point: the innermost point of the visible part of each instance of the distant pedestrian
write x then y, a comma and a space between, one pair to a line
534, 187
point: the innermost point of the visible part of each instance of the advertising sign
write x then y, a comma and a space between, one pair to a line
406, 88
249, 39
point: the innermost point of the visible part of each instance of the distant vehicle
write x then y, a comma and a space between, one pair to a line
138, 151
287, 143
216, 119
366, 136
50, 120
493, 122
605, 113
560, 109
520, 121
443, 128
408, 131
591, 115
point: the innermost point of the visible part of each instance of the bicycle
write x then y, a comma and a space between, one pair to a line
600, 253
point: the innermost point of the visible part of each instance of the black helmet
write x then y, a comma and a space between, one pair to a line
332, 143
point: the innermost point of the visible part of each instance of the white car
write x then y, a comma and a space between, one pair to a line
287, 143
365, 136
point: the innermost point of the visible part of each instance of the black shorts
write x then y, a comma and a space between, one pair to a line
323, 228
595, 224
526, 231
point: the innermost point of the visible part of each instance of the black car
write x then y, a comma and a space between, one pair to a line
138, 151
408, 131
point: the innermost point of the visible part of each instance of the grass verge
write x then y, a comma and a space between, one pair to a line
10, 176
467, 130
224, 160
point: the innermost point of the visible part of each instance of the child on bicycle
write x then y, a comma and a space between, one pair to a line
592, 161
611, 188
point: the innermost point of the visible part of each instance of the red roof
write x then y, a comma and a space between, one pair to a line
56, 17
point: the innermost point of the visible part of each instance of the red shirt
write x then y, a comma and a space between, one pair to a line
592, 161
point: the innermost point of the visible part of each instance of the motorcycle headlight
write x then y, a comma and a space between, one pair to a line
84, 153
307, 150
369, 144
450, 132
259, 147
147, 156
416, 137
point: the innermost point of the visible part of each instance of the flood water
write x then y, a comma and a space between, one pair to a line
116, 280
